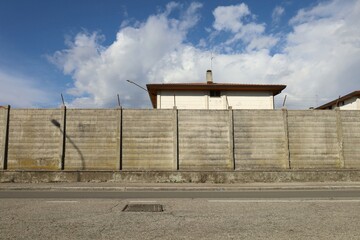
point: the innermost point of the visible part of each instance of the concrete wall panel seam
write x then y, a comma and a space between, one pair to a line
232, 138
340, 138
63, 138
5, 142
119, 139
176, 139
286, 135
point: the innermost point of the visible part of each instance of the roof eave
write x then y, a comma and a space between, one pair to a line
346, 97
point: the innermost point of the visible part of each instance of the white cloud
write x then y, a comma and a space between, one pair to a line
277, 13
318, 60
100, 73
230, 17
19, 91
235, 19
323, 50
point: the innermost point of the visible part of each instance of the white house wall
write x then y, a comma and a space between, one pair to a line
182, 100
250, 100
202, 100
349, 104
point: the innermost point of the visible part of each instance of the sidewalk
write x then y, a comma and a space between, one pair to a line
123, 187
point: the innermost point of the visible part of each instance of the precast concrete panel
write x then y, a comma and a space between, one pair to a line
350, 121
3, 125
205, 140
92, 139
34, 139
313, 139
260, 140
149, 140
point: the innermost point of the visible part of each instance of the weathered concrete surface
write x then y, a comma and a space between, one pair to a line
149, 139
3, 125
198, 140
260, 140
190, 219
205, 140
34, 139
313, 139
92, 139
181, 176
350, 122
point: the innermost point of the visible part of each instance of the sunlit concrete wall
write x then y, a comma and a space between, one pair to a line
92, 139
260, 139
350, 138
3, 126
34, 141
205, 140
178, 140
313, 139
149, 140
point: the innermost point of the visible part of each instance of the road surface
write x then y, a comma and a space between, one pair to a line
275, 214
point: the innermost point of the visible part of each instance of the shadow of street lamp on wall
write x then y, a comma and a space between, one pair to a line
58, 125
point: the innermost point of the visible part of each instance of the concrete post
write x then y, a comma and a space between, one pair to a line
121, 139
286, 136
340, 139
176, 139
62, 145
5, 133
118, 139
231, 135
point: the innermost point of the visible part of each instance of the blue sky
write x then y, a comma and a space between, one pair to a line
86, 49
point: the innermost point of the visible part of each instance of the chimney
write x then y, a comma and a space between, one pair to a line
209, 78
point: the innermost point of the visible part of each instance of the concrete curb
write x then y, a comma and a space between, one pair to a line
177, 189
146, 187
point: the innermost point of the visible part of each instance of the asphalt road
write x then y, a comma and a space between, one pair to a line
265, 214
278, 194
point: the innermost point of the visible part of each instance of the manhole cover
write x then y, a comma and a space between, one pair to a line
143, 208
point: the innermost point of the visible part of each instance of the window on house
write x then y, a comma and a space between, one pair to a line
215, 93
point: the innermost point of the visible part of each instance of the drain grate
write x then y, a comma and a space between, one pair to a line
143, 208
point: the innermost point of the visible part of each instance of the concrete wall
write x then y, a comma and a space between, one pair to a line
260, 139
3, 124
350, 122
92, 139
313, 139
170, 140
34, 141
205, 140
149, 139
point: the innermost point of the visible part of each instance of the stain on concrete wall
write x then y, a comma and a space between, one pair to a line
260, 140
92, 139
148, 139
350, 121
313, 139
204, 140
34, 141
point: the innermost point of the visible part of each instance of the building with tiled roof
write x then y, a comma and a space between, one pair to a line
210, 95
350, 101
